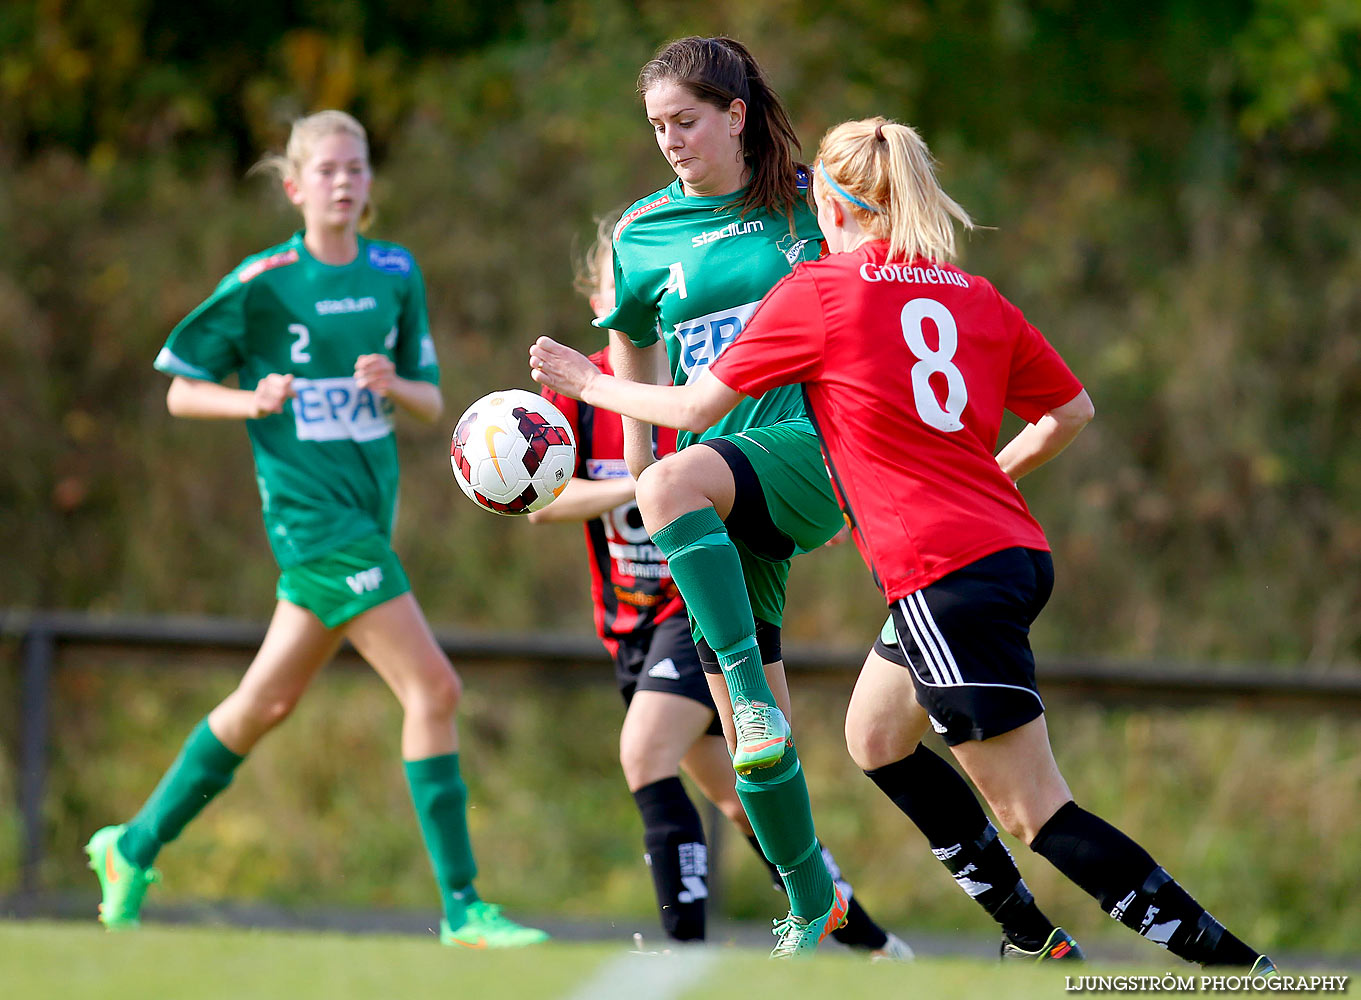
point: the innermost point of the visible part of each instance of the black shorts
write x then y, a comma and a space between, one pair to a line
767, 642
664, 658
966, 639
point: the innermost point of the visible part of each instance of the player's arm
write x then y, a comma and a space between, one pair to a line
638, 364
378, 374
203, 400
695, 406
1037, 443
586, 499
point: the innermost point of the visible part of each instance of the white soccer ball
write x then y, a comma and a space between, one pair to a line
513, 452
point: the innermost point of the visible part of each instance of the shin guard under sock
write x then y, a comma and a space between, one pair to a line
202, 770
676, 855
705, 565
776, 802
940, 802
1133, 889
441, 801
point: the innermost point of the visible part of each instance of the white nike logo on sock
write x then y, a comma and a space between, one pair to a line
736, 663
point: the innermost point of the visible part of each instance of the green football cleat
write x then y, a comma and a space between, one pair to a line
122, 882
762, 735
486, 928
1059, 948
799, 938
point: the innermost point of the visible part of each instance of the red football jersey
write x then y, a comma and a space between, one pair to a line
907, 369
631, 585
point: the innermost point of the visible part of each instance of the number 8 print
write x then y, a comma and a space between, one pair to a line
931, 362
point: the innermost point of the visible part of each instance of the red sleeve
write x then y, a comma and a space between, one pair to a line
782, 344
1039, 380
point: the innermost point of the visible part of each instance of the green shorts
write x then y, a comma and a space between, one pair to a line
343, 584
792, 477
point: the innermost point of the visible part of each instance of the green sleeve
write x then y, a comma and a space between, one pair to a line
209, 343
634, 316
414, 354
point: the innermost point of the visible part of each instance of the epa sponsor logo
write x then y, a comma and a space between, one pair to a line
333, 307
392, 260
335, 409
732, 229
704, 338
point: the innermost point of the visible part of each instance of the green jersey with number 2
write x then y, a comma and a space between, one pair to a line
692, 271
327, 464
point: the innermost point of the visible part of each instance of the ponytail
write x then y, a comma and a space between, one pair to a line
886, 175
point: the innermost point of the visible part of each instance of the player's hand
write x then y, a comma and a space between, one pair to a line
560, 368
271, 392
375, 372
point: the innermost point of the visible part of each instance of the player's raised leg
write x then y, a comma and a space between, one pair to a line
296, 646
684, 499
396, 640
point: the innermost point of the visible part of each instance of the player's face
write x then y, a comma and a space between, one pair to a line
702, 143
333, 185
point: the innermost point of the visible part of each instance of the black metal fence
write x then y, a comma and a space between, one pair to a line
40, 637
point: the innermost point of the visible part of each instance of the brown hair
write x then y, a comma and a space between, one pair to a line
888, 167
306, 132
718, 71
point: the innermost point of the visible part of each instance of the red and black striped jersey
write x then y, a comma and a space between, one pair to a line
631, 585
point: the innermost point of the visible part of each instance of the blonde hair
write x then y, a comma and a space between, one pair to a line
888, 167
303, 137
598, 259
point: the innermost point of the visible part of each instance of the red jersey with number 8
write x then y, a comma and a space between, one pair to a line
907, 369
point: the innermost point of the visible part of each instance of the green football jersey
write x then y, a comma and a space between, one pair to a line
692, 271
327, 464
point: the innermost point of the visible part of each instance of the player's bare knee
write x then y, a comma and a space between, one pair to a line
441, 693
870, 746
664, 493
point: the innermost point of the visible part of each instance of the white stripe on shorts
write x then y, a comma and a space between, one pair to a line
934, 663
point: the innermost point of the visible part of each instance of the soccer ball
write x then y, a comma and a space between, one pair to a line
513, 452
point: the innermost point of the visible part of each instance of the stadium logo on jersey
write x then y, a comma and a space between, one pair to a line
251, 271
916, 275
333, 307
392, 260
704, 338
732, 229
664, 199
335, 409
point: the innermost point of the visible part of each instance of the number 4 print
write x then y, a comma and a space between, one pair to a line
676, 281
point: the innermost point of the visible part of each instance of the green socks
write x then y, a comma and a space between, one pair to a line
203, 768
776, 801
441, 800
706, 568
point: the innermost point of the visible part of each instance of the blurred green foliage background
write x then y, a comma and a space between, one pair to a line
1174, 199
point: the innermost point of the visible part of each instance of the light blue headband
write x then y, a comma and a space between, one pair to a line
843, 192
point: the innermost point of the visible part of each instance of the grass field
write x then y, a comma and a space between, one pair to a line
39, 961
